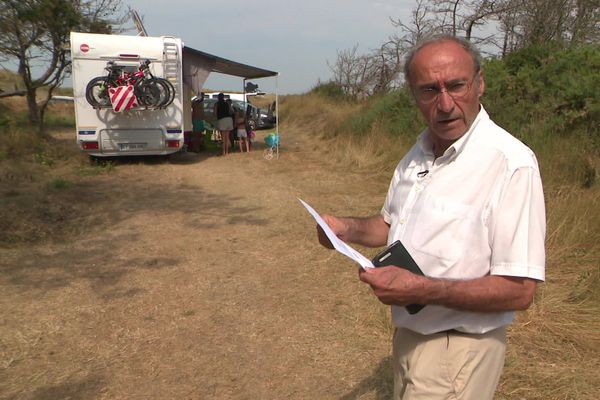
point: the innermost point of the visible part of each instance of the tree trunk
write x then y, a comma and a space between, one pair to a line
34, 110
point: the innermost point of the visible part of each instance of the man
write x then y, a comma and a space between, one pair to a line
198, 123
467, 203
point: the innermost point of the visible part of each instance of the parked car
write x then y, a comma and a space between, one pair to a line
267, 118
211, 119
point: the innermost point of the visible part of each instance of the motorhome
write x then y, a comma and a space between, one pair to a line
133, 94
136, 128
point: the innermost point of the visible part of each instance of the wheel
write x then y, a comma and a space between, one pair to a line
268, 153
155, 92
169, 92
148, 93
96, 92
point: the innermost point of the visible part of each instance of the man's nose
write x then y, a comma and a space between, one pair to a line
445, 102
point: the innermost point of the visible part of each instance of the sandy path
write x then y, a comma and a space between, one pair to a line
197, 277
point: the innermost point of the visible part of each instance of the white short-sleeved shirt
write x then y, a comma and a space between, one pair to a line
477, 210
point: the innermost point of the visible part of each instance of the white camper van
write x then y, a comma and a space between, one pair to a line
136, 126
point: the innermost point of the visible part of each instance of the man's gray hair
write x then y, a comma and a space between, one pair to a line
465, 44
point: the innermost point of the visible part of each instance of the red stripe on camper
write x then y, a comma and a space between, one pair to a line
122, 98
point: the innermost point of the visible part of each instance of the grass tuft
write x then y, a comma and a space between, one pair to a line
60, 183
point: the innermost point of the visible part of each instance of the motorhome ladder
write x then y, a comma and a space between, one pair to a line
171, 61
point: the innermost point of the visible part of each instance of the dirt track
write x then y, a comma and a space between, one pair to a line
197, 277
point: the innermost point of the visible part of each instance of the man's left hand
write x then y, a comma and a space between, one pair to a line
394, 286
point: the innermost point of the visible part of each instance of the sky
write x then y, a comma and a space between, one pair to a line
294, 38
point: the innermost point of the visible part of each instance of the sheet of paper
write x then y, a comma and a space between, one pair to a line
337, 243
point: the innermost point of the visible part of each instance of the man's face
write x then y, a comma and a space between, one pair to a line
436, 68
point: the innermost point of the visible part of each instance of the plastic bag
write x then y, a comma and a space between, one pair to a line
272, 139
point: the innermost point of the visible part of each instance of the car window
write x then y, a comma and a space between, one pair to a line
209, 104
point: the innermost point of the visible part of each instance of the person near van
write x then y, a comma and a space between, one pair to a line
249, 129
222, 110
467, 203
197, 123
241, 132
232, 132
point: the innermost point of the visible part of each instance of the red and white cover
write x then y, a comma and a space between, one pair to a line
122, 98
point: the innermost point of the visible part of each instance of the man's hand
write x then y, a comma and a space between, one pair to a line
490, 293
338, 227
369, 231
394, 286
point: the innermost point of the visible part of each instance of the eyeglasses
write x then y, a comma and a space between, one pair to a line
455, 89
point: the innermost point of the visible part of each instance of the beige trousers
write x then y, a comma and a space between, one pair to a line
448, 366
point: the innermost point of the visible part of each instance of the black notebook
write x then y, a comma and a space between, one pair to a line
396, 254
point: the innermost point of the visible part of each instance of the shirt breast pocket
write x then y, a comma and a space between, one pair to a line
442, 229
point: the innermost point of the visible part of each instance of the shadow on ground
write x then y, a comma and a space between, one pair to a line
381, 382
87, 388
96, 207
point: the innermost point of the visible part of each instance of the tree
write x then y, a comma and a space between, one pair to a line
525, 23
421, 24
498, 27
350, 72
35, 35
506, 25
586, 22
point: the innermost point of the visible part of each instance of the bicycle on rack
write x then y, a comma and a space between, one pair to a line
150, 91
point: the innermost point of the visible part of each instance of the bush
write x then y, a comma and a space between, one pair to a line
331, 90
60, 183
551, 87
393, 112
547, 97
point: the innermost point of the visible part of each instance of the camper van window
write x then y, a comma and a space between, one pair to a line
128, 67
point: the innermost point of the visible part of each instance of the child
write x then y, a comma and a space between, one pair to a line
242, 134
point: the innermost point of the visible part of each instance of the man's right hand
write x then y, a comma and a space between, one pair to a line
338, 227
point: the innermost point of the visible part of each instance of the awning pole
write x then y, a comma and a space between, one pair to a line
277, 111
244, 91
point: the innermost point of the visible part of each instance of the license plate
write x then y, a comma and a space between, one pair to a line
132, 146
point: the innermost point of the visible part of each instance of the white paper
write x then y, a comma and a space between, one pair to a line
337, 243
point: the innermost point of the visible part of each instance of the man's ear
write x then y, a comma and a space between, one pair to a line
481, 85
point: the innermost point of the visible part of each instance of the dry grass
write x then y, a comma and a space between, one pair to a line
34, 170
112, 291
554, 346
263, 101
191, 278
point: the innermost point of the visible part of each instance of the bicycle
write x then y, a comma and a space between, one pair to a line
150, 91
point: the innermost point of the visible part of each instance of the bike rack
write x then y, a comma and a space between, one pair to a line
139, 108
133, 78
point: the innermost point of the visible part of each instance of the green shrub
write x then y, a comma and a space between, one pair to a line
393, 112
551, 87
331, 90
60, 183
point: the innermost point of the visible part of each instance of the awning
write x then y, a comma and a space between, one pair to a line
197, 65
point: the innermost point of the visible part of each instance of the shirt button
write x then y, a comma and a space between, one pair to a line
418, 188
402, 221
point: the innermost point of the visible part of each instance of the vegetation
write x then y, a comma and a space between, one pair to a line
36, 173
35, 34
515, 25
